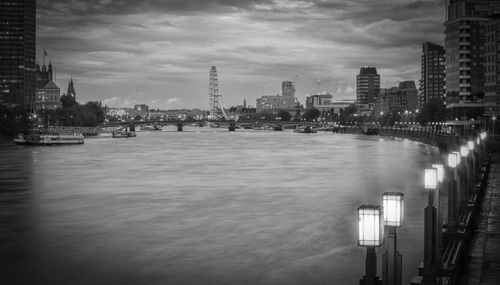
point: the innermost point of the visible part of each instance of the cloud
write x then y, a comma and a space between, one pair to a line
174, 100
116, 49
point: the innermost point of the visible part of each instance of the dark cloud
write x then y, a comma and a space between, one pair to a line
167, 47
425, 4
105, 7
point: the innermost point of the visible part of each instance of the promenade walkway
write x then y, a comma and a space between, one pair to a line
484, 261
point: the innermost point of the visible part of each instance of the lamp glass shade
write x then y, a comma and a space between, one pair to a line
431, 178
393, 204
470, 144
440, 172
464, 151
452, 160
371, 231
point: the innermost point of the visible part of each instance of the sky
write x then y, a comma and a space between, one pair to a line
159, 52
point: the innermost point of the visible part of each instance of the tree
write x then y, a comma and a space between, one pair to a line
284, 115
432, 111
13, 121
311, 114
388, 119
68, 101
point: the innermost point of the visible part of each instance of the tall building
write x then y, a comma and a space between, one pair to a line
464, 44
288, 89
432, 80
288, 93
17, 52
367, 87
492, 67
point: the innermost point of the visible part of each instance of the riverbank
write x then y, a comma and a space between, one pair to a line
483, 260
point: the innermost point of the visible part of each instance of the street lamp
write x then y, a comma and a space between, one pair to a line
472, 146
393, 204
440, 179
430, 228
431, 179
453, 162
493, 119
464, 153
370, 236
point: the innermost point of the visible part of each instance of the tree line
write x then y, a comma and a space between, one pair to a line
18, 120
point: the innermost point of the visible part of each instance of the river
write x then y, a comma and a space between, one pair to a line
205, 206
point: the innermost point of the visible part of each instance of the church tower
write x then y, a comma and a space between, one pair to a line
71, 89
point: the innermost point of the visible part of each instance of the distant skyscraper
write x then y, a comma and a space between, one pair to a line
492, 67
464, 44
367, 86
288, 93
17, 52
432, 80
288, 89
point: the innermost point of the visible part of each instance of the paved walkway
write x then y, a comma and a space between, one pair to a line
484, 260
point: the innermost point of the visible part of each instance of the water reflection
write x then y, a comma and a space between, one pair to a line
203, 207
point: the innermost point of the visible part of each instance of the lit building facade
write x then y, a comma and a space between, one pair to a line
313, 101
367, 87
402, 99
409, 90
47, 94
492, 67
465, 47
17, 53
285, 101
432, 80
382, 105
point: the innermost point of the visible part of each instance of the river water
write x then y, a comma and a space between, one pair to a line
204, 206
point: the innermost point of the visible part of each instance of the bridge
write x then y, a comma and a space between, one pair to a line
231, 125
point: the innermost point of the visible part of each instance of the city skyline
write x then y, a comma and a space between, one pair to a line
160, 52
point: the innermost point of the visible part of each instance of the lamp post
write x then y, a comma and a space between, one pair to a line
464, 153
430, 229
393, 204
370, 236
453, 160
472, 147
440, 178
458, 178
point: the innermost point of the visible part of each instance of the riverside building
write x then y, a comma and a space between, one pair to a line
367, 88
432, 80
17, 53
402, 99
285, 101
465, 57
48, 94
492, 67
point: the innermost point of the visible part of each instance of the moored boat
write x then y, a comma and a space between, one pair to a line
38, 138
306, 130
124, 134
